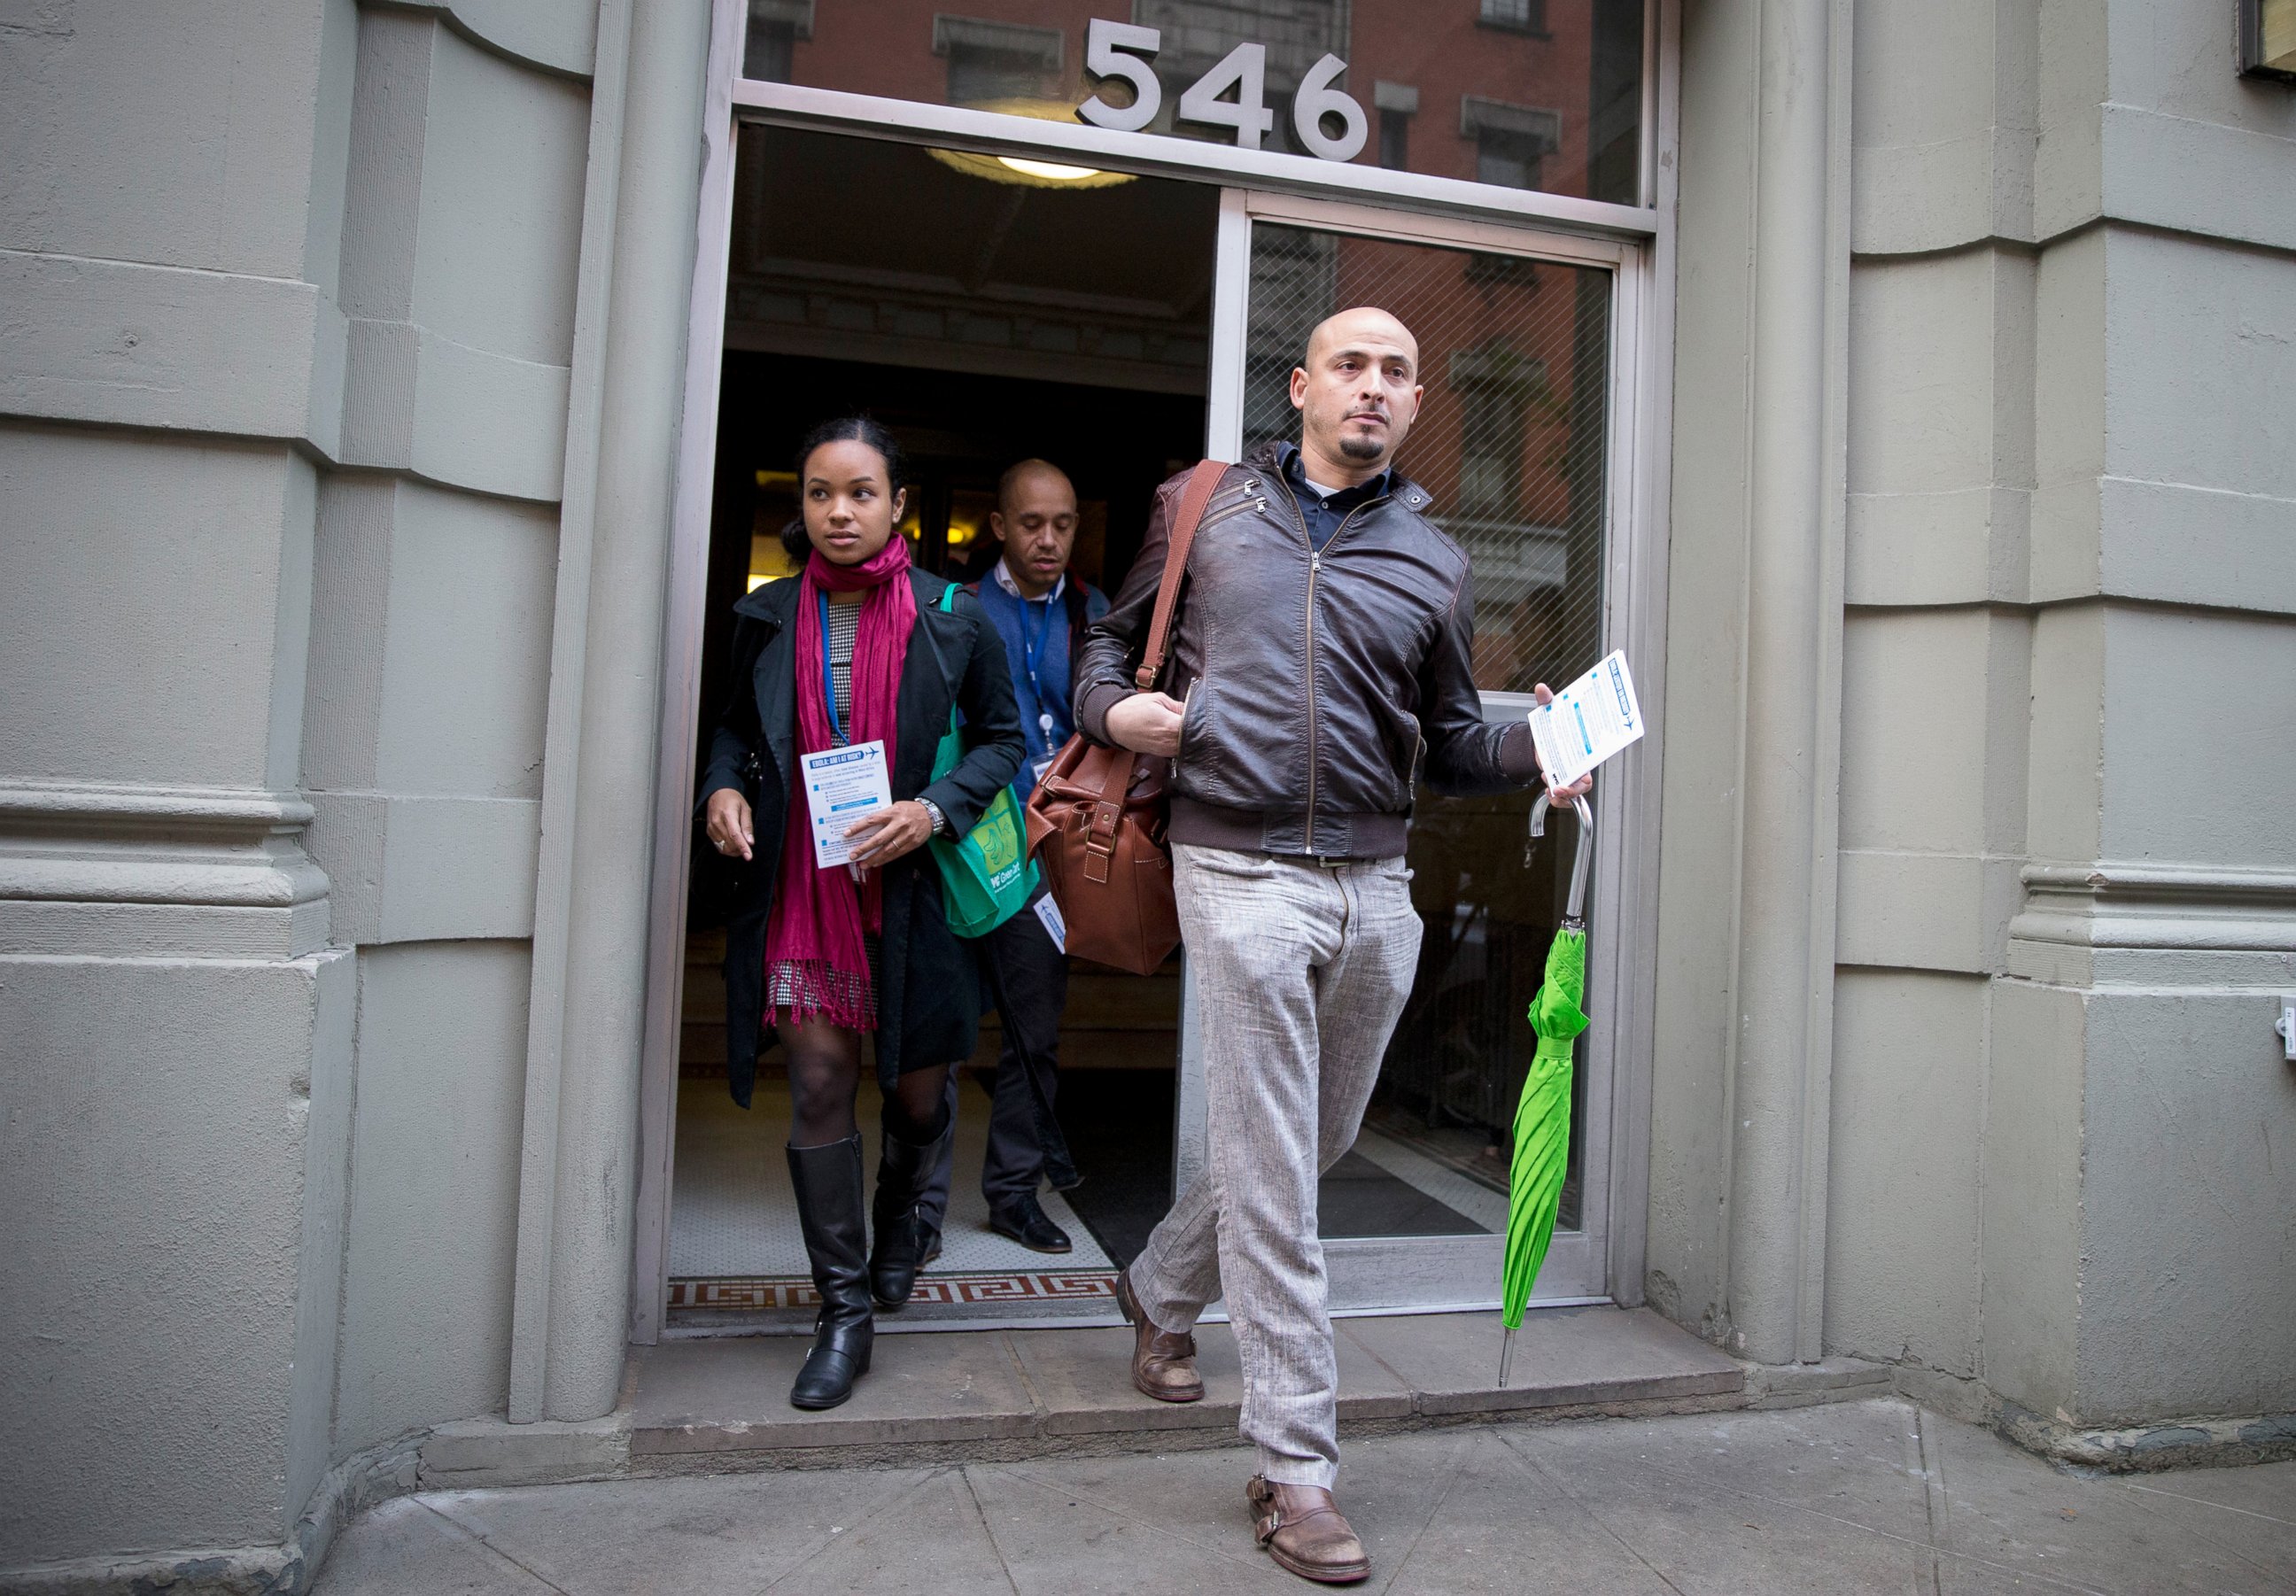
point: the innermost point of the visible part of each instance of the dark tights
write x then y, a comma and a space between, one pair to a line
824, 1071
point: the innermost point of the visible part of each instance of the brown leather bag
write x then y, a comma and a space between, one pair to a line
1096, 819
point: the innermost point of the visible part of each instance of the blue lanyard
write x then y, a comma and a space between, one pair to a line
1033, 657
1032, 654
828, 685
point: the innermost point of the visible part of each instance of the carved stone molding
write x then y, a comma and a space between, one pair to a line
2125, 921
157, 871
558, 38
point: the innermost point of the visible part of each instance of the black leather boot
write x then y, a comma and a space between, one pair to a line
828, 1182
904, 1237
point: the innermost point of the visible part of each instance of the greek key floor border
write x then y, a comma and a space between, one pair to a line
1079, 1287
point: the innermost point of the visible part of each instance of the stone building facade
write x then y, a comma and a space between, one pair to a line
343, 392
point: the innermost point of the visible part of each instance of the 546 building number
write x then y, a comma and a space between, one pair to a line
1120, 50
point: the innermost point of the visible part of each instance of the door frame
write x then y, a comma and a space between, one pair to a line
1259, 184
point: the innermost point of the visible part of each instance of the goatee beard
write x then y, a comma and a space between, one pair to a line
1355, 445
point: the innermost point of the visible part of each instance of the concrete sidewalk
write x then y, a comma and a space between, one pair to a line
1872, 1495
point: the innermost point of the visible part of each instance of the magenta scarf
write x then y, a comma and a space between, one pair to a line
818, 915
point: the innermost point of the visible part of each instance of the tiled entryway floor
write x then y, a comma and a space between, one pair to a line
737, 1257
1871, 1495
731, 1215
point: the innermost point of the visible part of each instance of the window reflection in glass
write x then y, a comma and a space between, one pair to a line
1523, 16
989, 60
1525, 93
1511, 141
775, 25
1396, 103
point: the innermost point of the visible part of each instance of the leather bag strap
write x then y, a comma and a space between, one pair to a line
1107, 813
1117, 784
1194, 499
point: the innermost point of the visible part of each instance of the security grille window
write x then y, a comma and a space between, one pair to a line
989, 61
1516, 16
1511, 141
1293, 269
1493, 449
1495, 387
775, 25
1510, 441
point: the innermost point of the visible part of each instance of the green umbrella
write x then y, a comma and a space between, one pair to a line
1542, 1118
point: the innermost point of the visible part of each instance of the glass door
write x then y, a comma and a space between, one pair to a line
1515, 330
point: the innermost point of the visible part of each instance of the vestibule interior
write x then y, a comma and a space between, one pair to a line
985, 314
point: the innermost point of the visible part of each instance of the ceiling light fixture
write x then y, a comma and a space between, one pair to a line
1027, 171
1052, 171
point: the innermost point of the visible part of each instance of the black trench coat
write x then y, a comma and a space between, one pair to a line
929, 995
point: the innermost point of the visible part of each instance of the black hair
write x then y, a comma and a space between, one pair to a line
863, 429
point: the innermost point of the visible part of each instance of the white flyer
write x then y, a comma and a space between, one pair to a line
1589, 721
1055, 926
842, 786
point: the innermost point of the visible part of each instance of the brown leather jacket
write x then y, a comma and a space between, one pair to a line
1320, 688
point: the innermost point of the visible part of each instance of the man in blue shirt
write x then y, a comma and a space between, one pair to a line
1325, 509
1040, 611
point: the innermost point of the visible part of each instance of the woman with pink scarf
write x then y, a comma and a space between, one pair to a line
854, 650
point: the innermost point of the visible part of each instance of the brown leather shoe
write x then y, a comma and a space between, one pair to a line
1304, 1533
1163, 1364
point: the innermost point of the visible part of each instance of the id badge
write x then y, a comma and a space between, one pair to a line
1057, 928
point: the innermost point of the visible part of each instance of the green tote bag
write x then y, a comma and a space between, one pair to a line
986, 876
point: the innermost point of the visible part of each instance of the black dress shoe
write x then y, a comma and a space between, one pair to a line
1025, 1221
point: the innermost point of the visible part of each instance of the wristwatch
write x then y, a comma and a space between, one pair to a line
932, 810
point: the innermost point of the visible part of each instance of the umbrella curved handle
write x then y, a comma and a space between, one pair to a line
1582, 854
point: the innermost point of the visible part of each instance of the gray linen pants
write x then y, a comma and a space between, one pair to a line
1301, 971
